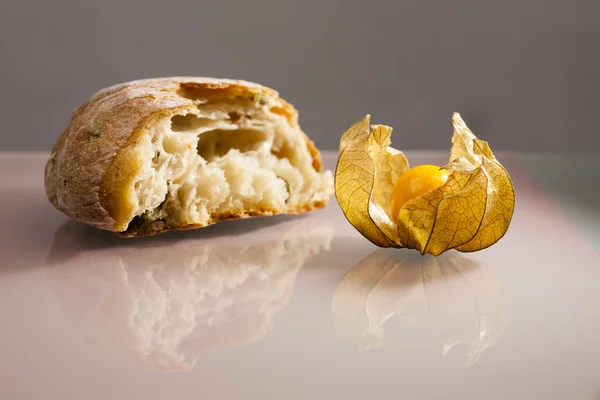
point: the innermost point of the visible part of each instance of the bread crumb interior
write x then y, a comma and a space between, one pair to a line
224, 159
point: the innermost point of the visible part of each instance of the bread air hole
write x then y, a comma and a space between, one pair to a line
188, 122
222, 160
218, 142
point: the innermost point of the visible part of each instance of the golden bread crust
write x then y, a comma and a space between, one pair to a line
88, 176
157, 227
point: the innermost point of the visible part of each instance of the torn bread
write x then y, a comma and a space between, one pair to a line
153, 155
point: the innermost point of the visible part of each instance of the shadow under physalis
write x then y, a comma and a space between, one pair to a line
465, 205
457, 300
165, 303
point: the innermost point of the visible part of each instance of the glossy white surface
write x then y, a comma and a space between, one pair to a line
297, 307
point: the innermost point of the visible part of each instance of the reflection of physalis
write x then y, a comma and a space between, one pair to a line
450, 296
167, 303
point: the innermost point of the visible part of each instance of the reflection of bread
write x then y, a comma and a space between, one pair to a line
165, 304
178, 153
450, 296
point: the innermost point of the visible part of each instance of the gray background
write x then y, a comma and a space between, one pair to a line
525, 74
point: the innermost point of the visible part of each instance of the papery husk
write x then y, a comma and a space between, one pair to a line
470, 212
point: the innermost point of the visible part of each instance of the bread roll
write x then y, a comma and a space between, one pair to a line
153, 155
